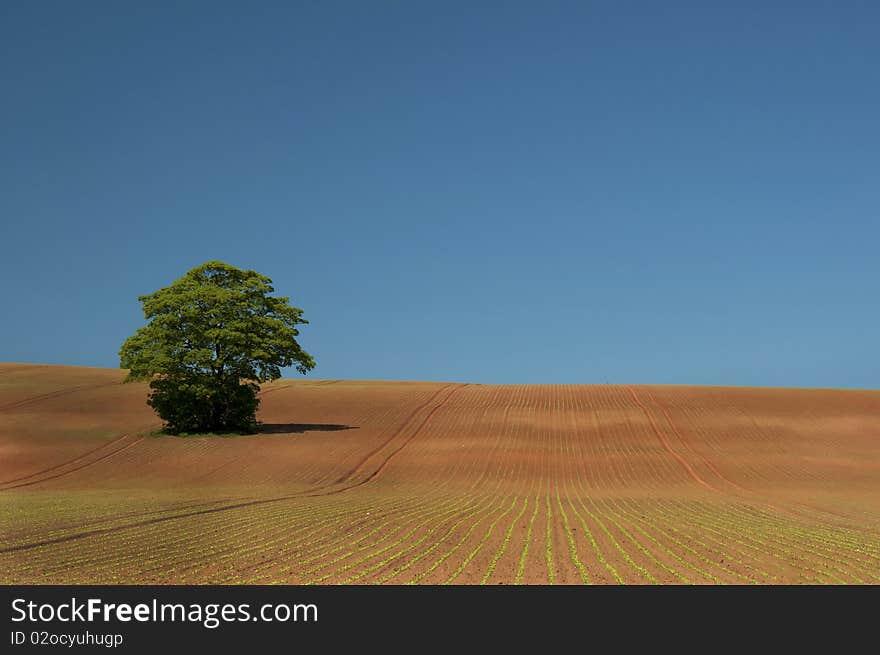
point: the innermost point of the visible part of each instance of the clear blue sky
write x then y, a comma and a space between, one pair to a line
645, 192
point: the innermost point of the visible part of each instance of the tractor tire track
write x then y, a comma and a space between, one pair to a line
251, 503
263, 392
104, 445
78, 468
55, 394
686, 443
751, 493
87, 453
177, 507
348, 474
137, 524
687, 467
376, 473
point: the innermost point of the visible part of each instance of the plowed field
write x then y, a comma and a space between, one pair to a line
433, 483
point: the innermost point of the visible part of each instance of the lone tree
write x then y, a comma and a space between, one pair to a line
213, 335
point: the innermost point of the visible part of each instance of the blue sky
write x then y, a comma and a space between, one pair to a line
568, 192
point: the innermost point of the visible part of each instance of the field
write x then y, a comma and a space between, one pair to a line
355, 482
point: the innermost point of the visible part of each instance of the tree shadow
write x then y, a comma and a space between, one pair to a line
299, 428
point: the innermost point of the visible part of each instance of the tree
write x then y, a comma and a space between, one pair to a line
213, 336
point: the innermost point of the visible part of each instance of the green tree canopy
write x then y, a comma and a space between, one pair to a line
213, 335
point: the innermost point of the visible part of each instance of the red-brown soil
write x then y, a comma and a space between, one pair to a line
429, 483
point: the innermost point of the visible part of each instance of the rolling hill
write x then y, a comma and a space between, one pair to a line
428, 483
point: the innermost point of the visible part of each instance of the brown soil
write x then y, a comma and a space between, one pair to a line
411, 482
